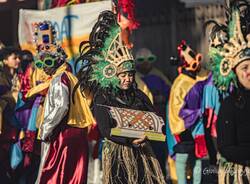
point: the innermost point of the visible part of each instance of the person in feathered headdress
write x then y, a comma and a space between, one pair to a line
109, 72
64, 119
230, 63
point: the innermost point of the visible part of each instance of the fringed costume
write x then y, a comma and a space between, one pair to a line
229, 46
108, 57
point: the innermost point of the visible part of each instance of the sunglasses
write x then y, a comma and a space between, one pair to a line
150, 59
48, 62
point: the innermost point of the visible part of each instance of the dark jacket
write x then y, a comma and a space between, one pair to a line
233, 128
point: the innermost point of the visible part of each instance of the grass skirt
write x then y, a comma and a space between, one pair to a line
127, 164
233, 173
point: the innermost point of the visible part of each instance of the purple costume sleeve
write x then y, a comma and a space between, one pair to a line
191, 110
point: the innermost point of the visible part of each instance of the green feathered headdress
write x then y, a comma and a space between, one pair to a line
104, 55
113, 58
226, 54
218, 66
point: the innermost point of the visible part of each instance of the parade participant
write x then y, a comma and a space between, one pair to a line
159, 86
9, 83
110, 77
231, 71
9, 87
185, 117
125, 11
65, 118
25, 154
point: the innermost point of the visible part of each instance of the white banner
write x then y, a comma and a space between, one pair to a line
73, 24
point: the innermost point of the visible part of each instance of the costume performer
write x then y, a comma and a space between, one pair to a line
27, 148
110, 77
65, 118
231, 71
158, 84
9, 87
185, 117
160, 88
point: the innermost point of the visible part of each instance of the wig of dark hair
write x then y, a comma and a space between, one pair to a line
7, 51
26, 59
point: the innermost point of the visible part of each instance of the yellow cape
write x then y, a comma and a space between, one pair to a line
79, 112
179, 90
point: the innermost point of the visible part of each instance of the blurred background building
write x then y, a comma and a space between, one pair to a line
9, 10
164, 23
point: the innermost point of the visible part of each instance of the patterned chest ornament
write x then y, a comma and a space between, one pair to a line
135, 123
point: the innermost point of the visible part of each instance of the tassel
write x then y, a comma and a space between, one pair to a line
124, 159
